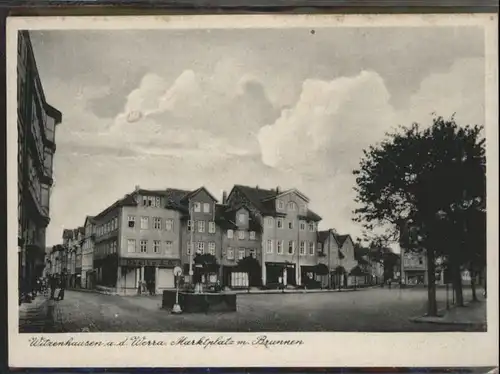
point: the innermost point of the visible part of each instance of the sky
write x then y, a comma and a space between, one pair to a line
277, 107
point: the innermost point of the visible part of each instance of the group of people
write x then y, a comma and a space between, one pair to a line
57, 283
147, 287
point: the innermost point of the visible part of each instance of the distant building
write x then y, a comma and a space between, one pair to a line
289, 231
87, 278
36, 125
413, 267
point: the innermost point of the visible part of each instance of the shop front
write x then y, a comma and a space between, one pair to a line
280, 273
146, 275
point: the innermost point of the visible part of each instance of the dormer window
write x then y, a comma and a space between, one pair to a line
241, 218
281, 204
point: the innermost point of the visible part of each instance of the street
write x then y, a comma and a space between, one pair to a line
368, 310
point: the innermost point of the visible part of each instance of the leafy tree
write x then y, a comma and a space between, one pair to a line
421, 184
251, 266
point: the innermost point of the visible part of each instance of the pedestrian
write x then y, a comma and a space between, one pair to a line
62, 286
53, 286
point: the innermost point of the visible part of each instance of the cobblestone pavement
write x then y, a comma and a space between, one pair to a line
370, 310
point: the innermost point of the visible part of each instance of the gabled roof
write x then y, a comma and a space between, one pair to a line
68, 234
323, 235
127, 200
263, 200
195, 192
341, 238
225, 217
292, 190
89, 219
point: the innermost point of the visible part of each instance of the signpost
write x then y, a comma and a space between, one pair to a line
177, 273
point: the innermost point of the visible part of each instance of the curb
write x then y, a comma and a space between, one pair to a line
440, 314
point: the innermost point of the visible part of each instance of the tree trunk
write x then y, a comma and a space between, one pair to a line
473, 284
457, 283
431, 283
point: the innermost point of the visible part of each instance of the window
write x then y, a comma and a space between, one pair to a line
211, 227
270, 221
241, 217
302, 225
157, 201
230, 254
420, 261
201, 226
291, 247
211, 248
252, 235
241, 253
156, 246
290, 225
280, 223
302, 249
190, 225
269, 246
230, 234
157, 223
169, 224
241, 235
197, 207
169, 247
253, 253
311, 248
206, 208
312, 226
188, 251
201, 247
144, 246
144, 223
281, 204
279, 243
291, 205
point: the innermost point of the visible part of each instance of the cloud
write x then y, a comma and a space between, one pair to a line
321, 137
459, 90
222, 111
329, 125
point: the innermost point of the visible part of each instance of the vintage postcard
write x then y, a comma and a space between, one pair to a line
253, 190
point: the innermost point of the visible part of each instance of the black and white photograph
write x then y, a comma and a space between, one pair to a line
313, 178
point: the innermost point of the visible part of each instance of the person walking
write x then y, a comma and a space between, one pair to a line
62, 286
53, 286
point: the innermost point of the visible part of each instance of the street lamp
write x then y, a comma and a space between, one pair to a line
441, 215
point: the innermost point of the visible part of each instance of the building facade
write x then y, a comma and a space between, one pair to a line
36, 125
288, 229
413, 267
87, 278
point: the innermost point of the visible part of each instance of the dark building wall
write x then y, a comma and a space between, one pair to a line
36, 123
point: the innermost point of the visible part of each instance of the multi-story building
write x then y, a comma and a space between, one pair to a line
289, 231
137, 239
36, 125
241, 237
338, 253
87, 280
413, 267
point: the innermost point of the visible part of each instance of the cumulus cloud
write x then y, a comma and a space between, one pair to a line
221, 111
329, 124
322, 136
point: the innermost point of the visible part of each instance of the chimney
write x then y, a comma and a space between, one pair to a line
278, 190
224, 197
257, 187
137, 188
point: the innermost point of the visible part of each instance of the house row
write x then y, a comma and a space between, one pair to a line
145, 234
